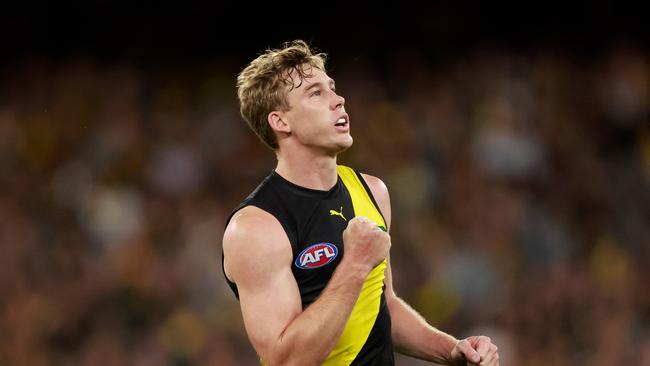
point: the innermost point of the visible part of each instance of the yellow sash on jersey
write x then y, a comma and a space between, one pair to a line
366, 309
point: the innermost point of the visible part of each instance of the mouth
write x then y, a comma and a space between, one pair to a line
343, 123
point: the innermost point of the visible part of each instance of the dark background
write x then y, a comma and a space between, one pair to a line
513, 138
198, 31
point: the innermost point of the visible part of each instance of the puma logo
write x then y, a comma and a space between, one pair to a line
335, 213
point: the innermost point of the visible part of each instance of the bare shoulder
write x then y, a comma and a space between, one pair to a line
250, 222
376, 185
380, 192
254, 239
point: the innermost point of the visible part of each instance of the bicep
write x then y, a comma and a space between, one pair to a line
258, 254
269, 306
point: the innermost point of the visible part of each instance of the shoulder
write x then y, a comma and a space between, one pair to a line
376, 185
254, 238
379, 191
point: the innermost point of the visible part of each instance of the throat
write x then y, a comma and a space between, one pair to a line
319, 175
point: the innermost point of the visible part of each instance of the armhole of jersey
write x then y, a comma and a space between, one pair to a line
232, 285
285, 225
370, 194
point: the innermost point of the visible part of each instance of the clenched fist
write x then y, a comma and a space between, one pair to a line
475, 350
365, 243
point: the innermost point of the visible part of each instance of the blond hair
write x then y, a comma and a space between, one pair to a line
263, 85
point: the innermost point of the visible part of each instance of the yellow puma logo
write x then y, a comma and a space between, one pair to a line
335, 213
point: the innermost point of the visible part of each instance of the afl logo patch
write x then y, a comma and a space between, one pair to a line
317, 255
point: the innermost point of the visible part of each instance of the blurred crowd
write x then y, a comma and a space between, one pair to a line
520, 186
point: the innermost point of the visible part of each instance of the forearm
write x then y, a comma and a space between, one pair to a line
312, 335
413, 336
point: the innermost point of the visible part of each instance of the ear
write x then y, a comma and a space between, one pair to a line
277, 121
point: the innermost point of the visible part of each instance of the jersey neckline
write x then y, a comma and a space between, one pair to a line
316, 192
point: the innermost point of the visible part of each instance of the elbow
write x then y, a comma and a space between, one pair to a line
288, 361
292, 356
292, 360
277, 357
280, 354
291, 349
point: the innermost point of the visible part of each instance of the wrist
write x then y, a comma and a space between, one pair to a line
354, 270
448, 349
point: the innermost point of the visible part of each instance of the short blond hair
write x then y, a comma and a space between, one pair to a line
263, 85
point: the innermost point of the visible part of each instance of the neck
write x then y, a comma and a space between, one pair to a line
307, 168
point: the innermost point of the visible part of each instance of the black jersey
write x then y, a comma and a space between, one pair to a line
314, 222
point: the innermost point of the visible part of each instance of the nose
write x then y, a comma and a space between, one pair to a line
338, 102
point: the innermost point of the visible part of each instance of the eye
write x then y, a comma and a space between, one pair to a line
315, 93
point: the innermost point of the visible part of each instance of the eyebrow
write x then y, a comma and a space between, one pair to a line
320, 83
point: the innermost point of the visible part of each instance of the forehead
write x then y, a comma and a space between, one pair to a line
311, 75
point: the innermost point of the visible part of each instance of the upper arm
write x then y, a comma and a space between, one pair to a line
257, 257
380, 193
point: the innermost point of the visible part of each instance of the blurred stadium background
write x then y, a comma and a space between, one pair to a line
514, 140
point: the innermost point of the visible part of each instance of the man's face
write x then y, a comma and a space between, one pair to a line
316, 113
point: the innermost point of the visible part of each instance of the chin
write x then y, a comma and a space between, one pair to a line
344, 145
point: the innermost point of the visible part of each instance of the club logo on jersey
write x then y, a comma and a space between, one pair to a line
317, 255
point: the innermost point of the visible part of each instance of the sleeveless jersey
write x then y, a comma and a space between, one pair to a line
314, 221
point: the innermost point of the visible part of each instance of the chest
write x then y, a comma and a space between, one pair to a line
319, 240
